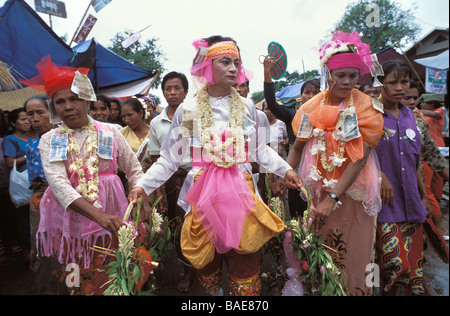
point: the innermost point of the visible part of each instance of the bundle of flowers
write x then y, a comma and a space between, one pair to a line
140, 242
132, 266
312, 270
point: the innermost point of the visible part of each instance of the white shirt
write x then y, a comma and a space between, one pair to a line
170, 156
159, 129
278, 132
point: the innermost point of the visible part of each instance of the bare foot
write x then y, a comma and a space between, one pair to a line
437, 219
185, 283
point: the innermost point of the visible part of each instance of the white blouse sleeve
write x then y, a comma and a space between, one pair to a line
172, 151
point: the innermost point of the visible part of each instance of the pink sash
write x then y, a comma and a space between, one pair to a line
222, 200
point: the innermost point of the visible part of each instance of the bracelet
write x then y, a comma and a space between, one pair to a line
336, 198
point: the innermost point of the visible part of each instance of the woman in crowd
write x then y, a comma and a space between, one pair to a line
39, 116
336, 133
115, 112
85, 202
400, 228
225, 221
14, 148
432, 159
100, 110
136, 131
8, 222
137, 134
308, 90
433, 111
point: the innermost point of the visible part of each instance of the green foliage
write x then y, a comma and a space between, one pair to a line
152, 240
396, 25
318, 273
146, 55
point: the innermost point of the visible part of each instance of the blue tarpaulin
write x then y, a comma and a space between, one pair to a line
290, 91
25, 38
109, 69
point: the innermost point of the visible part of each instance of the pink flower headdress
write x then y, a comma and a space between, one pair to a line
346, 50
202, 69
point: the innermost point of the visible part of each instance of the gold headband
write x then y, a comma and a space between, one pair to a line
222, 49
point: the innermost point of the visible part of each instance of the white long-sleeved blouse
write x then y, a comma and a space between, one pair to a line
177, 142
56, 172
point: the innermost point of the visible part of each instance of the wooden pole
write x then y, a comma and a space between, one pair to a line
50, 20
409, 62
153, 81
304, 73
82, 19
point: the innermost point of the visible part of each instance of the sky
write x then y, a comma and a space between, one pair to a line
299, 25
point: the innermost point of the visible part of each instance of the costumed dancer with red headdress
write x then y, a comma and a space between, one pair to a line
225, 219
336, 131
85, 202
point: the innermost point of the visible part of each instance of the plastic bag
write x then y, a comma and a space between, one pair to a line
18, 187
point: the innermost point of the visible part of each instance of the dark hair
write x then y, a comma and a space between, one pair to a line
136, 105
102, 98
116, 100
413, 85
217, 39
43, 98
397, 65
311, 82
179, 75
247, 83
364, 85
13, 116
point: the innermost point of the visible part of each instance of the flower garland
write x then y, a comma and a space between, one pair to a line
215, 149
88, 182
319, 150
333, 49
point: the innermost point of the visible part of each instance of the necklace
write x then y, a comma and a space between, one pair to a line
88, 181
215, 149
337, 158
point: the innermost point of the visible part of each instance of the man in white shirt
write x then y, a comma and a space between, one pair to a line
175, 88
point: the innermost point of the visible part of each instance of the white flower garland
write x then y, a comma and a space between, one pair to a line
87, 189
319, 150
217, 152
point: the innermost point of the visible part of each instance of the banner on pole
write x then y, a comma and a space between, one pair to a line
51, 7
436, 81
130, 40
85, 29
100, 4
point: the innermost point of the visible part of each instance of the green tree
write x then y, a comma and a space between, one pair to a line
380, 23
146, 55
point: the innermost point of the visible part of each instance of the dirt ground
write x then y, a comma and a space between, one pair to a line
17, 279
